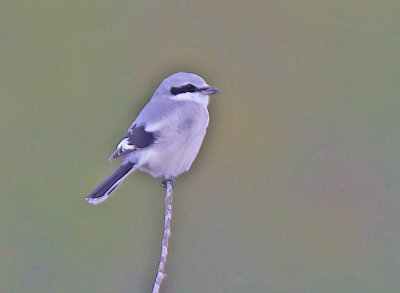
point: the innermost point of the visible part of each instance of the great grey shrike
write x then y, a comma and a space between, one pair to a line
166, 135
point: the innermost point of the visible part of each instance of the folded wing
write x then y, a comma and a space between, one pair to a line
136, 138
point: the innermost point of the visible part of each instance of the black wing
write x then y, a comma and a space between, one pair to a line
136, 138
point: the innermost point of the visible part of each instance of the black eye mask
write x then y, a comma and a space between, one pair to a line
187, 88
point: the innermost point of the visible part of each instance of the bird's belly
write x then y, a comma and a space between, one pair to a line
172, 160
174, 152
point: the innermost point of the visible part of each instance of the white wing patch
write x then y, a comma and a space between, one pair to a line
124, 146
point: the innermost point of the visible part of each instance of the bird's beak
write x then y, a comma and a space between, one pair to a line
209, 90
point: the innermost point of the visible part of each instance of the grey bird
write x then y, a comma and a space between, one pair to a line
167, 134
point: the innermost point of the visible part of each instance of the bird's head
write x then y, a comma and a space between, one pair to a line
183, 86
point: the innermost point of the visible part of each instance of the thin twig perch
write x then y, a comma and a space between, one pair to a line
167, 232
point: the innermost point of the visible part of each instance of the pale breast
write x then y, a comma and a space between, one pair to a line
178, 144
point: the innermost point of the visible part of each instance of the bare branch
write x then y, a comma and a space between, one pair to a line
167, 232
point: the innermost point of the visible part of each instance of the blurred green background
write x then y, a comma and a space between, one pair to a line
296, 188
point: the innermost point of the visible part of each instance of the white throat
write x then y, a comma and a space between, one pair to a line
192, 97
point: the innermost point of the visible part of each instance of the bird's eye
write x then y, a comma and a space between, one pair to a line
187, 88
190, 88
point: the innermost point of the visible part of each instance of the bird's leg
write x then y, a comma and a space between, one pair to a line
165, 181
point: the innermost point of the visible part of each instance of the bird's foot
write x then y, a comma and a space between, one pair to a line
165, 182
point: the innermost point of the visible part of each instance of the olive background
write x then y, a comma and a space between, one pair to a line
295, 189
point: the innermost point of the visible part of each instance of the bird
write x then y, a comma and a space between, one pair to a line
166, 136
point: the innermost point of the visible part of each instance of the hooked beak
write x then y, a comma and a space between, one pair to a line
209, 90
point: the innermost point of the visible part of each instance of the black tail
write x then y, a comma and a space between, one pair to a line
104, 189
